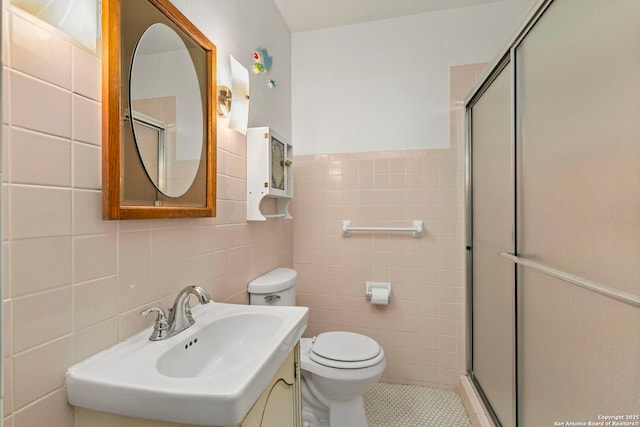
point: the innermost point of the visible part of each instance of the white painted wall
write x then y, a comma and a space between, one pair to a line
383, 85
239, 28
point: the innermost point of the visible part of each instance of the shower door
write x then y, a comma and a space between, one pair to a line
578, 144
554, 232
492, 289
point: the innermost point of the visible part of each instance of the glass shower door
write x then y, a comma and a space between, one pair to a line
492, 277
578, 143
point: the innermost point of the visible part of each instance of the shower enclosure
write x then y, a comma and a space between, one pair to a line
553, 221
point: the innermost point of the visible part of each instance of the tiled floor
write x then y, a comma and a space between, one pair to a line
397, 405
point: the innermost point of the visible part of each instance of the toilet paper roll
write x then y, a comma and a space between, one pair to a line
379, 296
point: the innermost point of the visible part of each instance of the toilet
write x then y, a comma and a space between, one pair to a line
338, 368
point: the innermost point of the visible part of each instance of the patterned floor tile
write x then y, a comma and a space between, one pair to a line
398, 405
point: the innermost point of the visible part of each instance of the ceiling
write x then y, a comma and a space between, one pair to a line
305, 15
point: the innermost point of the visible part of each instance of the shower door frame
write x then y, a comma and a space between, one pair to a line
487, 80
506, 56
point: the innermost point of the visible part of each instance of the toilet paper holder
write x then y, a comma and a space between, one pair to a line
382, 285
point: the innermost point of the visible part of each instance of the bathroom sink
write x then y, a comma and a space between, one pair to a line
228, 345
210, 374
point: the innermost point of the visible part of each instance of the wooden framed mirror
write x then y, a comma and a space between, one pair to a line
158, 113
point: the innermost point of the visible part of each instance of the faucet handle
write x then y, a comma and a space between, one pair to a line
158, 310
161, 327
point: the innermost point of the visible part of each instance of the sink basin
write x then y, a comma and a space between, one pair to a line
210, 374
229, 344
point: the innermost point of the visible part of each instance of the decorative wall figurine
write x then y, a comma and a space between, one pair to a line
262, 61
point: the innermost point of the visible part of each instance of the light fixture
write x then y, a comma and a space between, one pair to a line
233, 93
239, 117
224, 101
77, 18
223, 70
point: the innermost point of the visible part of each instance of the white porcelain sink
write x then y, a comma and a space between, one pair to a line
209, 374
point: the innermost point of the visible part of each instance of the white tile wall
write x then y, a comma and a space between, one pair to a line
86, 311
39, 211
94, 256
86, 69
31, 155
84, 172
95, 338
51, 410
38, 105
52, 61
38, 264
40, 370
87, 213
86, 120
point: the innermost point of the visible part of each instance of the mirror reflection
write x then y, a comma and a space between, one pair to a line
167, 115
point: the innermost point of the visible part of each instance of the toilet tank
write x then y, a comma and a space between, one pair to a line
276, 287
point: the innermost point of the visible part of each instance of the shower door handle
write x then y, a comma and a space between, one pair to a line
616, 294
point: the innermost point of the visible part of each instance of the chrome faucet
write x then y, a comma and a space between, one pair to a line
180, 317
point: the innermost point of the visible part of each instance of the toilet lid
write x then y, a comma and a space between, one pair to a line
344, 347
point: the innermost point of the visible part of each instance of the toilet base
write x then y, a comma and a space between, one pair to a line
348, 413
342, 414
315, 413
312, 418
319, 412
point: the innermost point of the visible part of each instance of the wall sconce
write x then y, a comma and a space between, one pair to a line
77, 18
233, 94
240, 102
224, 101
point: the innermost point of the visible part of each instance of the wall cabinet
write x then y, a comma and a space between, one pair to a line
269, 173
279, 405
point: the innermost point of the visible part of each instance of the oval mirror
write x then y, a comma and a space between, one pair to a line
166, 111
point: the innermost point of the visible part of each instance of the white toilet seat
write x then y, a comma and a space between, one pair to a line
309, 365
345, 350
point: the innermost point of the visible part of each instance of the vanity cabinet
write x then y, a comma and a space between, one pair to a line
269, 173
279, 405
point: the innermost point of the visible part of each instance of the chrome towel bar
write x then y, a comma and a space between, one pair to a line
618, 295
417, 228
